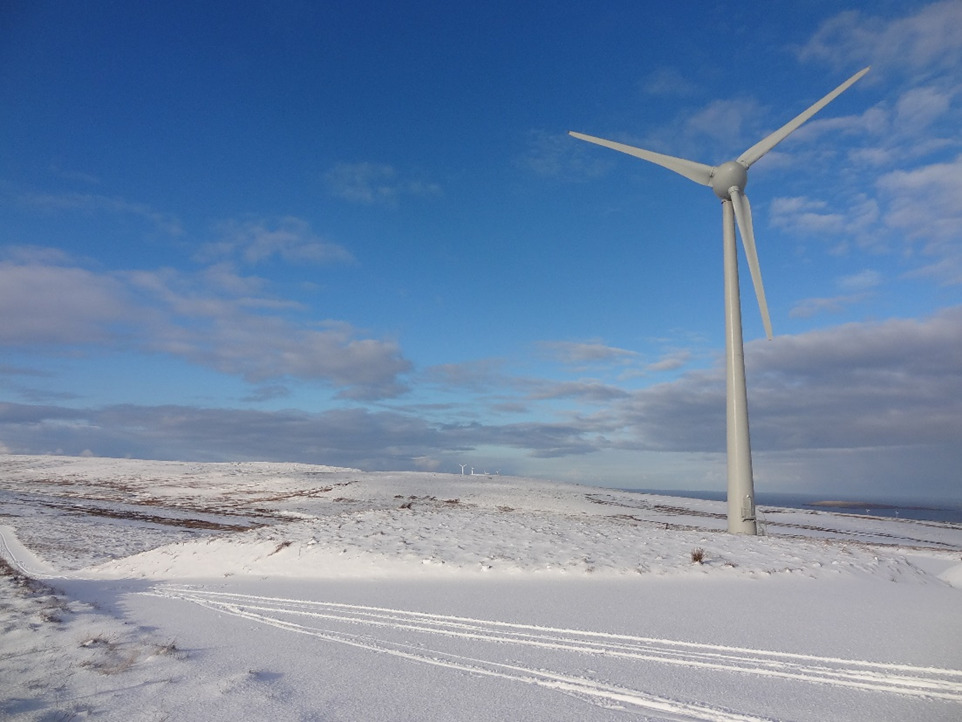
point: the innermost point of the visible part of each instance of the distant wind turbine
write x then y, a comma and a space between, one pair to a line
728, 181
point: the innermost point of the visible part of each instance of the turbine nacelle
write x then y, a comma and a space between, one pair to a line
727, 176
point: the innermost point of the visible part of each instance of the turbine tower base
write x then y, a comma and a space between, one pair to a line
741, 485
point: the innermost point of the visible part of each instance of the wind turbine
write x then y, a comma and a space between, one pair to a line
728, 180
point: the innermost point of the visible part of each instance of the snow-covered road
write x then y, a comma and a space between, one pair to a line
325, 620
585, 646
320, 620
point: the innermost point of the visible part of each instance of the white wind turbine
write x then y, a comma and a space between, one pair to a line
728, 181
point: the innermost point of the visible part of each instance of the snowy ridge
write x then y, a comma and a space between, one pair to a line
291, 592
444, 541
180, 520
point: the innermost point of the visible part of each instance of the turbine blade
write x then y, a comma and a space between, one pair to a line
762, 147
698, 172
743, 216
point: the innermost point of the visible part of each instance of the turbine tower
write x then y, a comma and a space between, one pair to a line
728, 180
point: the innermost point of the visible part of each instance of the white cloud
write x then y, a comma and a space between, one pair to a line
808, 307
670, 361
561, 157
865, 385
877, 157
93, 203
727, 122
41, 255
52, 305
857, 399
801, 214
228, 326
668, 81
477, 375
342, 437
854, 217
873, 122
856, 386
918, 108
918, 123
930, 37
268, 392
946, 271
375, 184
897, 187
589, 391
861, 281
925, 201
246, 336
580, 353
289, 239
925, 205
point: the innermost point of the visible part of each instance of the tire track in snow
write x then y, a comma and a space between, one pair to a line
318, 619
600, 693
14, 552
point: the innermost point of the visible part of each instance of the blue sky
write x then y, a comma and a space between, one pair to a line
359, 234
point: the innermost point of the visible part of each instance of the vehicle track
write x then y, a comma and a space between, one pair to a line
321, 620
8, 551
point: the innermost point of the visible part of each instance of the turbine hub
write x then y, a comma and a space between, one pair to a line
727, 175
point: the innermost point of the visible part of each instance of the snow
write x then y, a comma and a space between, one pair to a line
168, 590
953, 576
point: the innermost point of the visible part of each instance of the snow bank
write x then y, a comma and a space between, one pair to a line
953, 576
440, 542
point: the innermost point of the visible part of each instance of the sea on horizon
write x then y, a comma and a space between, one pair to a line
920, 511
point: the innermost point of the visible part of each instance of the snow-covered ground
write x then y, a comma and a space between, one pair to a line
166, 590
